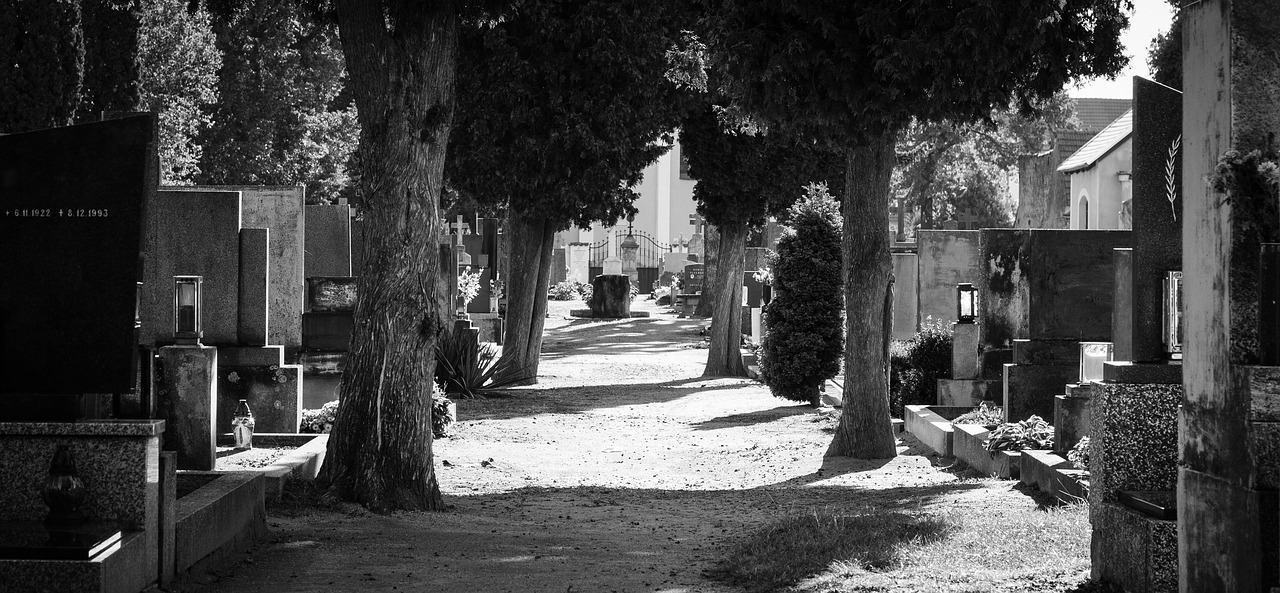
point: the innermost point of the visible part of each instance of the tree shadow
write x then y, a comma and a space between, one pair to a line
752, 418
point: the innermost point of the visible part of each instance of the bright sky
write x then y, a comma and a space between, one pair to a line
1149, 17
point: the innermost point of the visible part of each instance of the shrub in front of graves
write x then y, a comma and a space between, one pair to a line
987, 414
319, 421
468, 368
1079, 454
804, 323
566, 290
1030, 434
916, 367
662, 295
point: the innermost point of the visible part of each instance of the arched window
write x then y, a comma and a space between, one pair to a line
1084, 211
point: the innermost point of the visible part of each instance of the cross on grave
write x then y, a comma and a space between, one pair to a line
968, 219
902, 220
460, 228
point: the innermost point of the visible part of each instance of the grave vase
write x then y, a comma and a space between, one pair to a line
63, 490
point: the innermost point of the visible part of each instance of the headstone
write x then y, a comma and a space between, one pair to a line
943, 260
255, 278
357, 246
186, 388
279, 208
559, 265
694, 277
71, 224
579, 260
1157, 208
610, 297
193, 233
328, 241
673, 262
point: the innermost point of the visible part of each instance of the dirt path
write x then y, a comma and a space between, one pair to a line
623, 470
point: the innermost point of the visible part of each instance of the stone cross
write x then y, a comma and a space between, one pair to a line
968, 219
460, 227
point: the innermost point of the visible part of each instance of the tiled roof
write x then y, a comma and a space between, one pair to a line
1095, 114
1098, 146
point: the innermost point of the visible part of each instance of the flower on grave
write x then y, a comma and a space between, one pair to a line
281, 376
468, 285
498, 288
234, 377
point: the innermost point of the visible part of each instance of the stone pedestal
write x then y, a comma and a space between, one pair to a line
1071, 419
964, 351
186, 390
610, 297
612, 266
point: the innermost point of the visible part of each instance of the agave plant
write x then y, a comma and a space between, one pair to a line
468, 368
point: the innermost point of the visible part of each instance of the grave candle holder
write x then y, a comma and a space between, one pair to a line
186, 309
966, 303
1092, 355
63, 490
1171, 318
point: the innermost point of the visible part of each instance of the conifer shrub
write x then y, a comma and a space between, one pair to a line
804, 323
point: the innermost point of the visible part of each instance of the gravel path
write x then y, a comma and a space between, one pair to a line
623, 470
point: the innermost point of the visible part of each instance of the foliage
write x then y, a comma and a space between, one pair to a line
1251, 182
1164, 55
179, 74
566, 103
662, 295
922, 360
804, 326
281, 118
442, 418
468, 284
320, 421
497, 288
466, 367
944, 168
987, 414
1079, 454
1032, 433
112, 30
41, 63
565, 290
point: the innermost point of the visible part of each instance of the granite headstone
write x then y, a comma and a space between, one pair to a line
72, 206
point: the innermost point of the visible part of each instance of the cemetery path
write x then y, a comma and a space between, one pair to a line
623, 470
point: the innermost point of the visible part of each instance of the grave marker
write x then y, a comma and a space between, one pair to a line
71, 224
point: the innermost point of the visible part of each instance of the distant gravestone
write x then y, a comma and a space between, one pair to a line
328, 241
1157, 209
193, 233
71, 223
694, 277
255, 280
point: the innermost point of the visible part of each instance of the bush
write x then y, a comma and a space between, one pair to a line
567, 290
469, 368
916, 365
804, 323
320, 421
987, 414
662, 295
1079, 454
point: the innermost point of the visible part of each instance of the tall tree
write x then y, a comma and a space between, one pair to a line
41, 63
179, 75
111, 65
743, 176
1164, 55
567, 102
281, 118
860, 71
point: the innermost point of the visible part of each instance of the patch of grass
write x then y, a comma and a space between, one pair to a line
994, 547
794, 547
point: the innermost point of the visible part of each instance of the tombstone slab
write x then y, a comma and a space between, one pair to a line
610, 297
327, 241
186, 387
71, 222
255, 281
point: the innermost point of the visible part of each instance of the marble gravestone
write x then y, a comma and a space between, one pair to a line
72, 204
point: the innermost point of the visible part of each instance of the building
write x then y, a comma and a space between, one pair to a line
1100, 178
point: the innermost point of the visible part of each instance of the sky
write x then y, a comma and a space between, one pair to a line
1149, 17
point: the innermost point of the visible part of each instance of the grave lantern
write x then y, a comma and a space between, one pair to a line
1171, 318
186, 309
1092, 355
966, 303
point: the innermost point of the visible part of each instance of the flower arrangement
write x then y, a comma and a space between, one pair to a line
1079, 454
987, 414
498, 288
1032, 433
320, 421
468, 285
443, 413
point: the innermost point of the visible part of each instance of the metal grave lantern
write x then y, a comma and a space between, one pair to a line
1171, 317
186, 309
1092, 355
966, 303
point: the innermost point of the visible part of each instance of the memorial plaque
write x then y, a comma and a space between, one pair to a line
71, 218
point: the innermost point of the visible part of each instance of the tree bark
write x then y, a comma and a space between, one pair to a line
527, 285
725, 355
710, 257
379, 454
865, 430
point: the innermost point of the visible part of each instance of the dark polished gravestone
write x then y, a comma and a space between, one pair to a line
1157, 209
71, 229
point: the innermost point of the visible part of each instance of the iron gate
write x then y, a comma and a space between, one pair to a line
648, 256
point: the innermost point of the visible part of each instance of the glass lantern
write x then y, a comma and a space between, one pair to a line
966, 303
186, 309
1092, 355
1171, 318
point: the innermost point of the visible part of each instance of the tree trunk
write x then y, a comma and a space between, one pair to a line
710, 258
527, 285
865, 430
725, 356
380, 451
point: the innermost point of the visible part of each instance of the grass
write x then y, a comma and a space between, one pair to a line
994, 545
